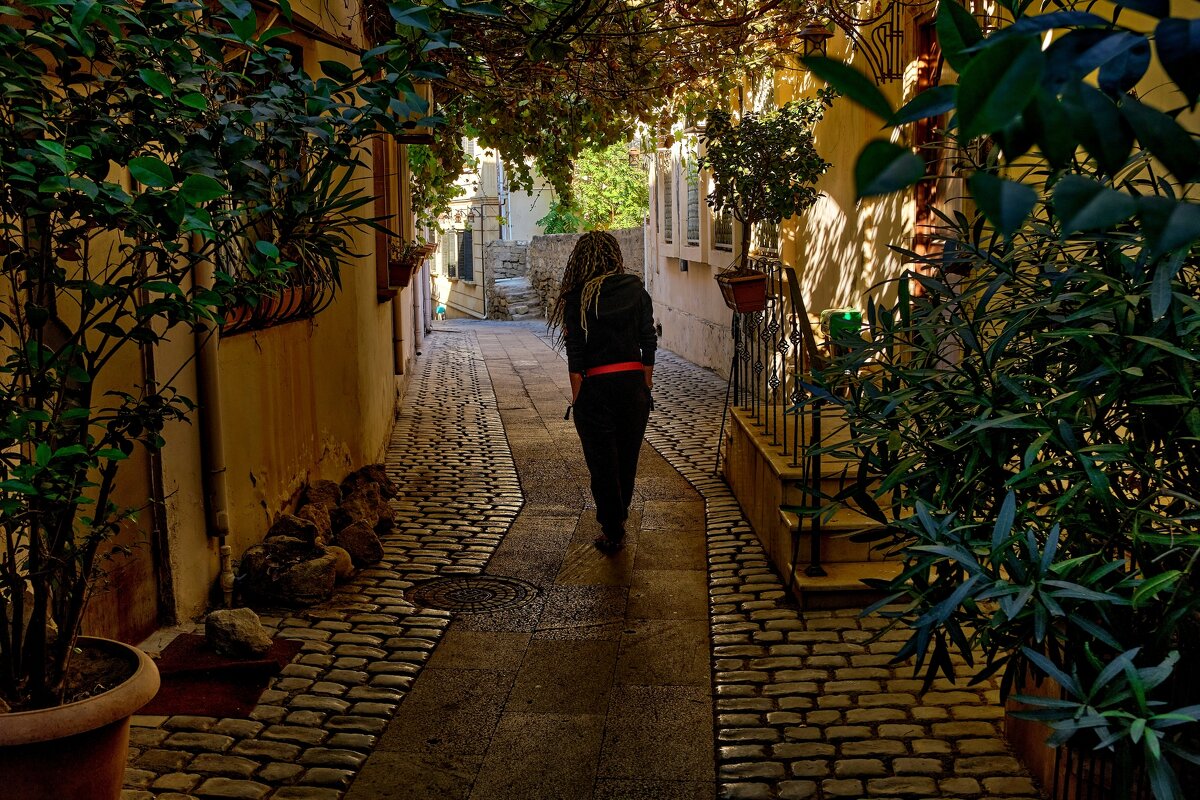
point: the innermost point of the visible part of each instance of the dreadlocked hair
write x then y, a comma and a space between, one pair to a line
596, 256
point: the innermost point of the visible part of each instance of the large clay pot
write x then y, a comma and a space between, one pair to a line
75, 751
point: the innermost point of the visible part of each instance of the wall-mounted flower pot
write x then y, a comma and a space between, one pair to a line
77, 751
400, 273
744, 291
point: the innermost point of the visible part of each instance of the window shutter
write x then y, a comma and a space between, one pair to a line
466, 252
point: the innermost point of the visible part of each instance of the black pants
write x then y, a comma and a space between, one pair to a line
610, 416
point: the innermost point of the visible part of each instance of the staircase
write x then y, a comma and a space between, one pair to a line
515, 299
770, 488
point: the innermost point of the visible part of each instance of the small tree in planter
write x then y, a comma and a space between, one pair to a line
764, 169
1034, 414
243, 162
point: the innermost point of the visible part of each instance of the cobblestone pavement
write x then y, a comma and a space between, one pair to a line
317, 722
807, 704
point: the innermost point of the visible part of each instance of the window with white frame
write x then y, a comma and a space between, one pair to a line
693, 200
450, 253
666, 194
722, 231
766, 238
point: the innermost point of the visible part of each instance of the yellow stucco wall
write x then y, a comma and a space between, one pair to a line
304, 400
839, 248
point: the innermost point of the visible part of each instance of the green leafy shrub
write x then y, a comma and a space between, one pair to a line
1027, 424
764, 165
236, 160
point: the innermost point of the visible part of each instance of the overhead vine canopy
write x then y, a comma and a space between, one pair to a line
542, 80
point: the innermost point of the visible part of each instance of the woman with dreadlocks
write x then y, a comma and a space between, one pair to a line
606, 323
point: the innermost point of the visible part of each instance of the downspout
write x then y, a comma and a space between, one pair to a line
212, 439
408, 233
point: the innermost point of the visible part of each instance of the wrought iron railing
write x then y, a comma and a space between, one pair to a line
769, 354
772, 352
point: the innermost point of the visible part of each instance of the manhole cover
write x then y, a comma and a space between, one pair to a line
472, 593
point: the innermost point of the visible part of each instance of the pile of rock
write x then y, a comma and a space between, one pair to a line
334, 531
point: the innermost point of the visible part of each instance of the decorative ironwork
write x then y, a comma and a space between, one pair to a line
876, 31
472, 594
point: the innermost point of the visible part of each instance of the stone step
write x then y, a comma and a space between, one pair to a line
842, 584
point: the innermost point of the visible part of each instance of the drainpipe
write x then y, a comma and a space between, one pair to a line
398, 332
212, 440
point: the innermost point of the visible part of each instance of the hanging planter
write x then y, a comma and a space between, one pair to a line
400, 273
404, 259
744, 291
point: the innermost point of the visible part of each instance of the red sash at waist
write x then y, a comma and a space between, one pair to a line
620, 366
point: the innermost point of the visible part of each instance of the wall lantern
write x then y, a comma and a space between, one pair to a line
814, 38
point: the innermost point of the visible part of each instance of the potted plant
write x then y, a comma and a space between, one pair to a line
404, 259
764, 168
1033, 411
135, 157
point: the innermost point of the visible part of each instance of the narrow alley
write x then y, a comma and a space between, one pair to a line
676, 669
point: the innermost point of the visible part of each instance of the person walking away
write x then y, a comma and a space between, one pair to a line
605, 321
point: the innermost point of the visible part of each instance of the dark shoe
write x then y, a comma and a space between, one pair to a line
608, 546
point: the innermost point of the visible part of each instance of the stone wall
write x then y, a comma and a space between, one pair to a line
548, 258
506, 258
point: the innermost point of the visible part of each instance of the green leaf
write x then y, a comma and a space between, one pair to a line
1160, 286
1165, 347
268, 249
1177, 42
997, 85
1150, 587
245, 27
157, 81
1006, 204
337, 71
1122, 72
1082, 204
1051, 129
412, 17
150, 171
957, 31
194, 100
851, 83
1004, 520
1101, 129
1169, 224
1165, 138
201, 189
932, 102
240, 9
884, 167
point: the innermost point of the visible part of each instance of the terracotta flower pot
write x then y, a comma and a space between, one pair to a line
76, 751
401, 272
744, 291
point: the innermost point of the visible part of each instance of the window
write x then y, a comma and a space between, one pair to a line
450, 253
666, 189
693, 201
723, 231
466, 256
766, 238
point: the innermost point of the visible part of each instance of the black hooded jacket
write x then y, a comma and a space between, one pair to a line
620, 326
